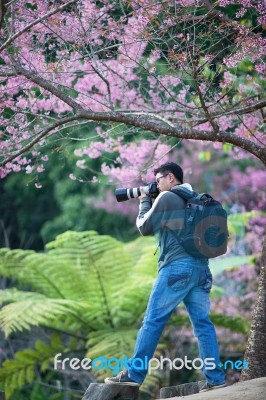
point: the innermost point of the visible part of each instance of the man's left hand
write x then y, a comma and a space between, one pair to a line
143, 194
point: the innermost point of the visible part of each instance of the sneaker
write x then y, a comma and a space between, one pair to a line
121, 379
207, 386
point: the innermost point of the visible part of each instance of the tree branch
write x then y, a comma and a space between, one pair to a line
37, 139
177, 132
220, 16
202, 101
101, 75
36, 78
240, 111
37, 21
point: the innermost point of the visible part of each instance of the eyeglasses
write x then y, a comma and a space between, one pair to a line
160, 177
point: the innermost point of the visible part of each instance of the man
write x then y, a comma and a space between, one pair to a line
181, 277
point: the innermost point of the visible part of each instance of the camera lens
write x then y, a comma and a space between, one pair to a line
121, 194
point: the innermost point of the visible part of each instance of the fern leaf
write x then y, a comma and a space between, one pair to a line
14, 295
15, 373
24, 314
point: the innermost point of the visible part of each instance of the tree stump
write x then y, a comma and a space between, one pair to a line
102, 391
181, 390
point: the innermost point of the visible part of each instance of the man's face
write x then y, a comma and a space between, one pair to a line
165, 181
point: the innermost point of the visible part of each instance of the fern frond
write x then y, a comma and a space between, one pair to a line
80, 266
108, 350
140, 246
112, 343
15, 373
11, 262
37, 312
15, 295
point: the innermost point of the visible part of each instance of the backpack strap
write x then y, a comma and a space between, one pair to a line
207, 196
186, 194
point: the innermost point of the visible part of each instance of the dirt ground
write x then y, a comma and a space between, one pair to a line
254, 389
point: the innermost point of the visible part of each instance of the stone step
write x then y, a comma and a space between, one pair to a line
254, 389
102, 391
181, 390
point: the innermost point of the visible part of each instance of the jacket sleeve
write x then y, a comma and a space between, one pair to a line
147, 220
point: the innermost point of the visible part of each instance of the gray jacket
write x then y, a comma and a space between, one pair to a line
164, 217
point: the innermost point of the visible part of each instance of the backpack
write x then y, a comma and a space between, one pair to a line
205, 232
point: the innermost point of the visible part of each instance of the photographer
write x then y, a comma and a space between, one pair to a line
181, 277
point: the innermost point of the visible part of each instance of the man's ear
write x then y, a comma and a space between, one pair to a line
172, 177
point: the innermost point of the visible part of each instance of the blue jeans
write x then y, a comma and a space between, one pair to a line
188, 280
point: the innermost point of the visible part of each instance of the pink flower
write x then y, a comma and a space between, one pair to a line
3, 172
81, 164
261, 68
78, 152
29, 169
40, 168
73, 177
16, 168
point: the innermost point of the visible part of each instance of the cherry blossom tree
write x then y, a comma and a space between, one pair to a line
170, 68
186, 69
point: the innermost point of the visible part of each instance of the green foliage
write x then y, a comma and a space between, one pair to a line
15, 373
84, 285
235, 323
90, 286
96, 268
221, 264
31, 217
239, 221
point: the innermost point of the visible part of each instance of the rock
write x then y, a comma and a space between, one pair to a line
101, 391
181, 390
254, 389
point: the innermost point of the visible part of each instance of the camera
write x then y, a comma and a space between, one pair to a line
150, 189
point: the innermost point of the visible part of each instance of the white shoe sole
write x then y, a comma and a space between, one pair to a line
213, 388
109, 382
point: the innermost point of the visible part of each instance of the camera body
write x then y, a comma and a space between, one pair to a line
150, 189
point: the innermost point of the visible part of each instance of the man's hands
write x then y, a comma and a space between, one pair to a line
142, 194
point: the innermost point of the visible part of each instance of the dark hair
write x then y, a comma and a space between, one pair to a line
170, 167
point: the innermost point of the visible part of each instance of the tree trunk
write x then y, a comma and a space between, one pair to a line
256, 346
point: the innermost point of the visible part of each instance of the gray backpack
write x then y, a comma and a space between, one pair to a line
205, 232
